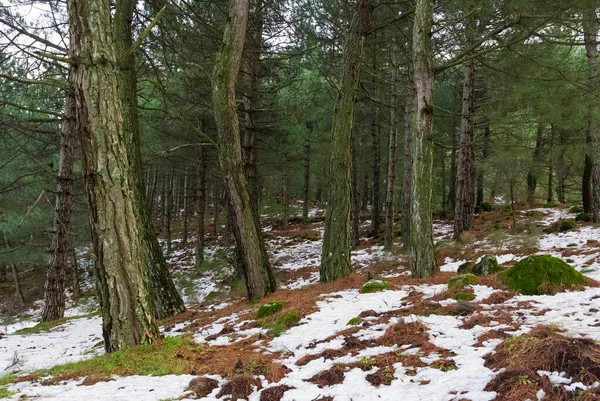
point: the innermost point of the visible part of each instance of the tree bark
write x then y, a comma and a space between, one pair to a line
452, 186
307, 148
355, 198
409, 111
169, 211
586, 182
532, 173
550, 195
165, 298
258, 273
590, 36
185, 209
335, 258
391, 166
18, 289
285, 197
376, 156
122, 276
54, 287
464, 206
200, 207
422, 254
76, 287
481, 169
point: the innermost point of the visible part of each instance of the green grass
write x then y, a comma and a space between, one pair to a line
268, 309
5, 393
158, 359
282, 324
48, 326
462, 280
354, 321
464, 296
541, 274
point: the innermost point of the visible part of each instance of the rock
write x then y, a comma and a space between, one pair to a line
463, 308
541, 274
466, 267
486, 266
462, 280
374, 285
202, 386
268, 309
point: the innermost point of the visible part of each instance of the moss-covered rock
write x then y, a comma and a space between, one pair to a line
585, 217
374, 285
268, 309
466, 267
462, 280
576, 209
464, 296
541, 274
486, 266
563, 225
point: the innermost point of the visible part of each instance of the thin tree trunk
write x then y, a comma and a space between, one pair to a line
152, 194
443, 167
75, 285
409, 110
122, 276
586, 183
550, 195
422, 254
169, 212
464, 207
335, 258
185, 209
355, 199
200, 207
532, 173
481, 169
18, 289
391, 166
590, 35
258, 273
376, 154
285, 197
561, 168
215, 209
307, 148
54, 287
452, 186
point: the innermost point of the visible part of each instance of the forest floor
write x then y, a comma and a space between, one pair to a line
413, 341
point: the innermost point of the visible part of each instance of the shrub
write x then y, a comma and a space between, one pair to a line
374, 285
551, 204
268, 309
462, 280
576, 209
586, 217
283, 323
485, 206
541, 274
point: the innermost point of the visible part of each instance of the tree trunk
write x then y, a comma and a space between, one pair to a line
152, 193
76, 287
166, 300
215, 209
258, 273
409, 111
285, 197
550, 195
335, 259
586, 182
452, 186
561, 168
200, 207
169, 212
3, 277
376, 156
590, 35
481, 169
355, 198
464, 207
391, 166
307, 148
18, 289
422, 255
185, 209
122, 276
54, 288
532, 173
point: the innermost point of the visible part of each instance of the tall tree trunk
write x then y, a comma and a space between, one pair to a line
18, 288
335, 258
561, 168
169, 211
185, 208
200, 207
376, 153
216, 208
409, 111
464, 207
550, 195
54, 288
285, 197
422, 254
586, 182
307, 148
152, 193
481, 169
532, 173
391, 166
355, 198
165, 298
122, 276
590, 35
258, 273
452, 185
75, 286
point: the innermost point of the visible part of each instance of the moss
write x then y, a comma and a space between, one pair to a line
5, 393
576, 209
211, 296
466, 267
48, 326
551, 204
268, 309
541, 274
282, 324
563, 225
464, 296
486, 266
585, 217
354, 321
374, 285
462, 280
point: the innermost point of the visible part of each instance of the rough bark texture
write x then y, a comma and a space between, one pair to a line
355, 199
335, 259
481, 170
75, 286
169, 211
391, 167
550, 194
165, 298
422, 255
464, 206
590, 35
122, 276
409, 110
258, 273
200, 207
376, 154
54, 288
586, 182
184, 208
307, 149
18, 289
532, 173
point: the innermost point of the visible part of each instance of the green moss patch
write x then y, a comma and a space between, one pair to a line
374, 285
542, 274
551, 204
282, 324
466, 267
585, 217
354, 321
576, 209
464, 296
5, 394
563, 225
269, 309
462, 280
486, 266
